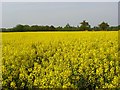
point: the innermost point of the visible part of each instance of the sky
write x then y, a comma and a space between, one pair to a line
119, 13
58, 13
60, 0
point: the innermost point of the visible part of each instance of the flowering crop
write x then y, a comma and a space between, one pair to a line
60, 60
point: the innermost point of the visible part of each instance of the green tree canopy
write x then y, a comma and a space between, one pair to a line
104, 26
19, 28
84, 25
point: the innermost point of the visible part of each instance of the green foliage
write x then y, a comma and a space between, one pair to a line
83, 27
104, 26
19, 28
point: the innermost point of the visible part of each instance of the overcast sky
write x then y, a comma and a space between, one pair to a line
58, 13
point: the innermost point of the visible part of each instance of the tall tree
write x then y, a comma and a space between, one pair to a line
84, 25
104, 26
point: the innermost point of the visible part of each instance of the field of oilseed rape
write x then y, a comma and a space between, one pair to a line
60, 60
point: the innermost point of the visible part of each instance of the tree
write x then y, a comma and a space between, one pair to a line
19, 28
26, 28
84, 25
67, 26
34, 28
104, 26
95, 28
52, 27
3, 29
59, 28
118, 27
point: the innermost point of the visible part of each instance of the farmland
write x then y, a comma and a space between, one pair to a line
60, 60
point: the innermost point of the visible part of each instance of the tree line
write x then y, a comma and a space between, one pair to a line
84, 26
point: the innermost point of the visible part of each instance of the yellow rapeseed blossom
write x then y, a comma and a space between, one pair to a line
60, 60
